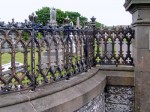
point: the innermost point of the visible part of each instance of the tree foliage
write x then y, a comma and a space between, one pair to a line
73, 17
99, 24
43, 15
60, 15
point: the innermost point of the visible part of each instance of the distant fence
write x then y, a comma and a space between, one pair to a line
42, 54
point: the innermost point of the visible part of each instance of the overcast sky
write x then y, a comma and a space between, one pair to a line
108, 12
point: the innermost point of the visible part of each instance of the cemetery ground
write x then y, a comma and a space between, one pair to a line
19, 57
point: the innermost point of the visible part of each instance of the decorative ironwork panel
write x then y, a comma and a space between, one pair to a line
32, 55
114, 47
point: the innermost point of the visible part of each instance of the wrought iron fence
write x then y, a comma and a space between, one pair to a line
114, 46
32, 55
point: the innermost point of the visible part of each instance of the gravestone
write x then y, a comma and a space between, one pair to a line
52, 56
6, 47
53, 21
6, 71
109, 48
73, 44
52, 51
78, 23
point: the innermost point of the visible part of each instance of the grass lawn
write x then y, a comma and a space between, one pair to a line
19, 57
6, 58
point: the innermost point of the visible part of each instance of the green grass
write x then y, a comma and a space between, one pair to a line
29, 60
19, 57
6, 58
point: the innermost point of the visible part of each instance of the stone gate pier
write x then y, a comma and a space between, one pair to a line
140, 10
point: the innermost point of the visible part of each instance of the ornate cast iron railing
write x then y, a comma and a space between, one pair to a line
32, 55
114, 46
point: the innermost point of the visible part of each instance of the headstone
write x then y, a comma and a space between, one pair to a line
109, 48
19, 47
53, 17
53, 56
6, 67
73, 43
44, 59
6, 47
71, 24
13, 38
52, 22
78, 23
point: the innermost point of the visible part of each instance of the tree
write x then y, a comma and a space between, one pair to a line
61, 15
99, 24
43, 15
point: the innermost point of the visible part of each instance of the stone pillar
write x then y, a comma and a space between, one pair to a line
140, 10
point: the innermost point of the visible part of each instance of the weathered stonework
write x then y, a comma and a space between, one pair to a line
96, 105
140, 10
82, 93
119, 99
115, 99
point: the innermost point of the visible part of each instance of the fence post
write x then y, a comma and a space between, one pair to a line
67, 54
32, 19
86, 45
93, 24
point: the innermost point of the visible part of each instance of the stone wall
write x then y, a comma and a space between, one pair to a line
86, 92
119, 99
115, 99
96, 105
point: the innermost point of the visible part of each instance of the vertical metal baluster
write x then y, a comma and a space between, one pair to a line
93, 24
32, 19
86, 49
97, 44
67, 32
113, 47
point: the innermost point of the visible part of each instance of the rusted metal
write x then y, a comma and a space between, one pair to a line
114, 46
54, 53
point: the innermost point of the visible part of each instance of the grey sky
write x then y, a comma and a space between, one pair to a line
108, 12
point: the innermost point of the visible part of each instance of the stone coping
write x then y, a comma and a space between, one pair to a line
145, 22
114, 68
24, 96
129, 3
67, 95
